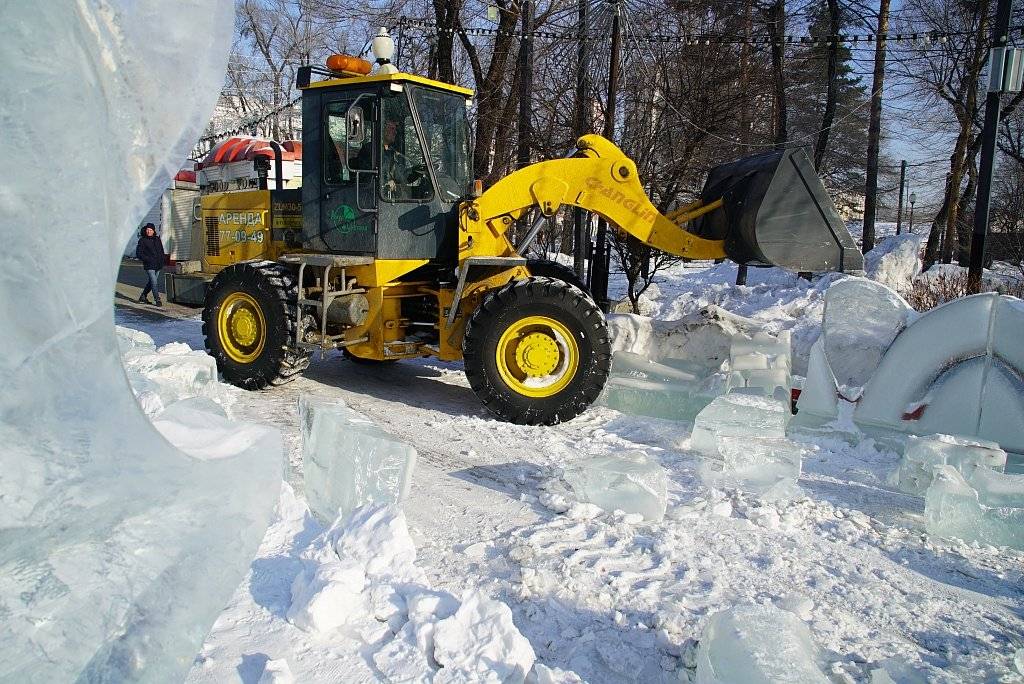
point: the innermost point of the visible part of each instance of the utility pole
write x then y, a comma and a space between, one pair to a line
581, 222
525, 99
988, 153
599, 269
525, 85
899, 209
875, 128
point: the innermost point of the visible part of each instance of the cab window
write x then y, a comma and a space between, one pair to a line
403, 167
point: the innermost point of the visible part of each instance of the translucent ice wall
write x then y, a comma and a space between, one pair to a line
116, 550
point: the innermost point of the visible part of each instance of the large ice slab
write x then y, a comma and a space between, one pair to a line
769, 468
631, 482
861, 319
953, 508
675, 390
757, 645
739, 415
117, 551
348, 461
922, 454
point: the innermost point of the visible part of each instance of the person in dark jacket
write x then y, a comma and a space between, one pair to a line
151, 252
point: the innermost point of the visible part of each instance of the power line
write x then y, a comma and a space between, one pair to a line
920, 37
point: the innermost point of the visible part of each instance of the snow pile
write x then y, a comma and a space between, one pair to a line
987, 509
895, 261
630, 482
348, 461
363, 568
119, 550
922, 454
757, 645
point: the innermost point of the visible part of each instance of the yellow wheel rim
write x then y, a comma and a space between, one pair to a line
537, 356
241, 327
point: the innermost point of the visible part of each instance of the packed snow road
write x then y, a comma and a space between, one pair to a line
607, 596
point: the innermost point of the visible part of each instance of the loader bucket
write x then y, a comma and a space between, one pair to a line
776, 213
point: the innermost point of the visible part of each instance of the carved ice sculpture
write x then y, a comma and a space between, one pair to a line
956, 369
116, 550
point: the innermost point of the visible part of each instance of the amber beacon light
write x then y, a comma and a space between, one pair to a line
347, 64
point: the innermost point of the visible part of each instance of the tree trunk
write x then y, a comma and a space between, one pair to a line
777, 31
931, 250
875, 129
964, 227
966, 117
829, 114
447, 12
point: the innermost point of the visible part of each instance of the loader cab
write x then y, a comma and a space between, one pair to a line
386, 164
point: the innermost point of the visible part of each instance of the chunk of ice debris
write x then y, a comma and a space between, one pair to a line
767, 467
761, 363
738, 415
174, 371
480, 642
348, 461
998, 489
639, 386
757, 645
953, 509
922, 454
276, 672
630, 482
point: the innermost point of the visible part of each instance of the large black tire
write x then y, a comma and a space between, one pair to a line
544, 268
506, 309
245, 287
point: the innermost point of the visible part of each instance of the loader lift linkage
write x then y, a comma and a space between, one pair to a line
387, 252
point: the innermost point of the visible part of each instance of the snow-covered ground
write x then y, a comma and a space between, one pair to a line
607, 596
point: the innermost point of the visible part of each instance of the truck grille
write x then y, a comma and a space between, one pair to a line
212, 236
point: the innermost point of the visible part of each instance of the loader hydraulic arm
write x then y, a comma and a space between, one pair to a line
600, 179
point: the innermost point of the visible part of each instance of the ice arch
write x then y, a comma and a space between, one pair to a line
962, 362
116, 550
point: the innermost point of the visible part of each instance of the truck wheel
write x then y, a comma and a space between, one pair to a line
545, 268
536, 351
248, 323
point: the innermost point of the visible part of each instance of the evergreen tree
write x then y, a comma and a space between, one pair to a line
843, 166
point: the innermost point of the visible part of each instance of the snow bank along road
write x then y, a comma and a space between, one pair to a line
606, 596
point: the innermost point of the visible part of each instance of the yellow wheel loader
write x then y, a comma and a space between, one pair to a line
389, 252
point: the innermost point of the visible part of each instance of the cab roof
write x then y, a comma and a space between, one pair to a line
336, 81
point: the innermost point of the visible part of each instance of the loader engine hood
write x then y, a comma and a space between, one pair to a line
776, 212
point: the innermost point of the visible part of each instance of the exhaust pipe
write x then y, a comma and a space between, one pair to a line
278, 165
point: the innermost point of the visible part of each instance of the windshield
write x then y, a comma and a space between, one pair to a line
446, 133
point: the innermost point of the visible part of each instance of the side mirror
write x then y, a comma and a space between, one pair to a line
356, 130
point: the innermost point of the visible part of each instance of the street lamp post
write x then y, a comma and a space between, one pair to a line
913, 198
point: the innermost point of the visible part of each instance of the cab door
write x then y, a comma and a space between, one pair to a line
348, 208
